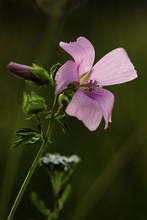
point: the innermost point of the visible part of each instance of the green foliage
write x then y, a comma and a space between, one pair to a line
27, 136
64, 126
59, 118
39, 204
64, 196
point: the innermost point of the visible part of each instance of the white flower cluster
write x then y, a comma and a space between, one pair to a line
57, 159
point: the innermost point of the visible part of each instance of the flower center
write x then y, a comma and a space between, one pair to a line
90, 85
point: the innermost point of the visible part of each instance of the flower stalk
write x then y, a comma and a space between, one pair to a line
35, 162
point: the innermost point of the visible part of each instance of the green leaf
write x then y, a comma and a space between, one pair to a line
25, 131
49, 114
32, 141
27, 136
39, 204
60, 116
64, 125
64, 196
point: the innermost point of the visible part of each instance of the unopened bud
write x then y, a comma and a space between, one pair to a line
63, 100
34, 75
33, 103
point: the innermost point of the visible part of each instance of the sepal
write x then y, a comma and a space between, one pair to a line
53, 71
41, 75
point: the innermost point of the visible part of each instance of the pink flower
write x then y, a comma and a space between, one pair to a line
91, 102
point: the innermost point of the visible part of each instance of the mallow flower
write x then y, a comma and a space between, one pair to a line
91, 102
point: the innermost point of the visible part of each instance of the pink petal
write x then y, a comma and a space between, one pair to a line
83, 53
85, 109
106, 100
65, 75
89, 107
114, 68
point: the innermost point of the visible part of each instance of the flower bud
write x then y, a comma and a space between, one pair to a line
63, 100
33, 103
33, 75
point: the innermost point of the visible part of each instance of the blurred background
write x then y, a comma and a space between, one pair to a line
111, 180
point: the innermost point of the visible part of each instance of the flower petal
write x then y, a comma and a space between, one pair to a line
85, 109
20, 71
65, 75
83, 53
106, 101
89, 107
114, 68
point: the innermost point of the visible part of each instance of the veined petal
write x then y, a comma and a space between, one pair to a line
114, 68
86, 109
66, 74
83, 53
106, 101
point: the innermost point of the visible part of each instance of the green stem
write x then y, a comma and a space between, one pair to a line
34, 164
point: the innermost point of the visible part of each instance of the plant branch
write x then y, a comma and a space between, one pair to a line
35, 163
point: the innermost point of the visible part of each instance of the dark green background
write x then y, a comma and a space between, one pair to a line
111, 180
